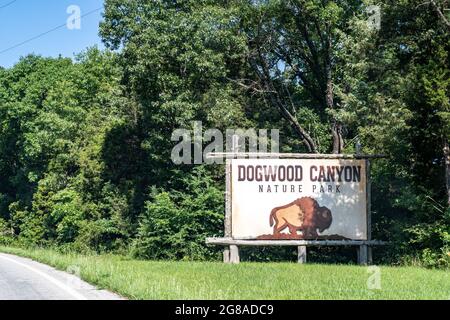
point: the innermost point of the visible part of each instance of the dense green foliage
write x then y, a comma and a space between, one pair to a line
85, 145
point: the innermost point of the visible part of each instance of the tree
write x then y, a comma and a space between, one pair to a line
402, 106
294, 53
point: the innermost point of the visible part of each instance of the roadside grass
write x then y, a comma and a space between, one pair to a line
167, 280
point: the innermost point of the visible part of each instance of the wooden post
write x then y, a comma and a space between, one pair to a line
227, 220
234, 254
301, 256
227, 253
362, 255
369, 211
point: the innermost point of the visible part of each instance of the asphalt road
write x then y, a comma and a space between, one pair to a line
24, 279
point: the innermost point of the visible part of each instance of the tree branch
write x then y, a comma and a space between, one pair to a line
440, 13
275, 99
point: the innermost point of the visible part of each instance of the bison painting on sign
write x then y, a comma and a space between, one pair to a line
275, 199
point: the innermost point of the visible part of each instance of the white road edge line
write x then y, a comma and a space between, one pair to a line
59, 284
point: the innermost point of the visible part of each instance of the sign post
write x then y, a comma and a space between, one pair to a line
231, 253
301, 256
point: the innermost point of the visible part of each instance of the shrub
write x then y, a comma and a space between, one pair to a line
6, 236
174, 224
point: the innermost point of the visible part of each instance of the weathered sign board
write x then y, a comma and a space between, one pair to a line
294, 199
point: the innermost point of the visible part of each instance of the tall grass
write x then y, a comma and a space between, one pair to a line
207, 280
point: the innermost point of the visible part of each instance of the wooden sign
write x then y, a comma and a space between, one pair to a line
292, 199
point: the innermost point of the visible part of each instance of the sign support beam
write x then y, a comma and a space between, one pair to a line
234, 254
369, 212
301, 257
229, 253
363, 255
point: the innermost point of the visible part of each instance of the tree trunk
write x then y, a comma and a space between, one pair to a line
276, 100
338, 141
447, 169
336, 128
306, 138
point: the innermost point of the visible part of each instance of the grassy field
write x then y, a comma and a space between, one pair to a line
201, 280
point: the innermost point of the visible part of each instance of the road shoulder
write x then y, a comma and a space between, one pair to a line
68, 281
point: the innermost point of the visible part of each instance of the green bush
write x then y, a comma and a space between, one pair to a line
6, 236
174, 224
432, 240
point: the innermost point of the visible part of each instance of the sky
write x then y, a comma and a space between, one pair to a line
22, 20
